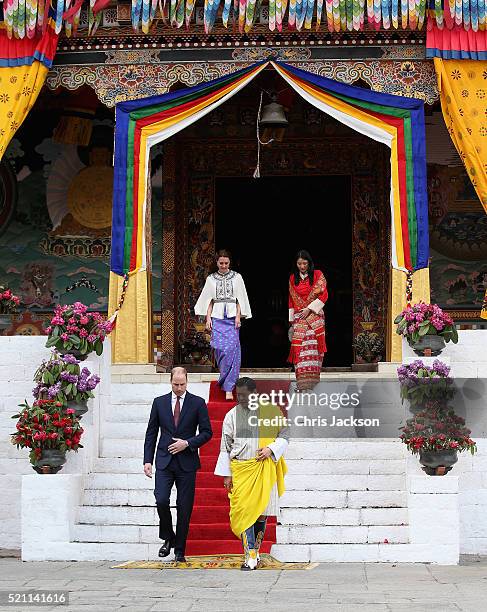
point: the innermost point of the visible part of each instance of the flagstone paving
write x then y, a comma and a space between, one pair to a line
354, 587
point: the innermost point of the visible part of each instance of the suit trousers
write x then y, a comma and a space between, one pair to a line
185, 486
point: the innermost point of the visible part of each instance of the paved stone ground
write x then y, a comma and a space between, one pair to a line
352, 587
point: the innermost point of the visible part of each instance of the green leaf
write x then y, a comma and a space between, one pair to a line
98, 347
423, 330
75, 340
398, 319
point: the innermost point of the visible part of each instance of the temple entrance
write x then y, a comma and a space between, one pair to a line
324, 188
264, 223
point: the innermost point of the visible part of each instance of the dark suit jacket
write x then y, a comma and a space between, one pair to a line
194, 414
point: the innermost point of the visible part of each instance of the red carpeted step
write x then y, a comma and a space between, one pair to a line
208, 480
211, 497
213, 446
210, 532
221, 547
210, 514
208, 463
217, 531
216, 393
218, 410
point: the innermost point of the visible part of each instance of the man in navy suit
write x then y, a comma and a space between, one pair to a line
177, 416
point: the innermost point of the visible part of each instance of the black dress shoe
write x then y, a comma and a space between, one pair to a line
165, 549
180, 559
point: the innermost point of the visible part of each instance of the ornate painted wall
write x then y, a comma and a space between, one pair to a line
55, 214
458, 239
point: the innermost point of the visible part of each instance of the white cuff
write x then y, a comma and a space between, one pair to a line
291, 315
316, 306
222, 467
278, 447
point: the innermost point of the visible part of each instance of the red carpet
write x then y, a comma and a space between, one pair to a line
209, 532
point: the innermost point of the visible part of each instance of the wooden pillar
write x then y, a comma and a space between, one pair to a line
397, 302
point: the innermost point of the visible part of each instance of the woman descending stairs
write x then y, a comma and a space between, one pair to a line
209, 532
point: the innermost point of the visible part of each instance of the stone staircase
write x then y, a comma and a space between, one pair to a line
346, 499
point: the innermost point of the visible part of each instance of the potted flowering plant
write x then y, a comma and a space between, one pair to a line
425, 386
437, 436
61, 378
76, 331
48, 429
426, 328
8, 305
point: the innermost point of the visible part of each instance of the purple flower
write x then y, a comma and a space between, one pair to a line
70, 359
54, 390
70, 378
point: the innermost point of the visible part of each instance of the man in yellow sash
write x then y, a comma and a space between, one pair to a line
253, 468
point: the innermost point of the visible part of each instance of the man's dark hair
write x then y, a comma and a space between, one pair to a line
247, 382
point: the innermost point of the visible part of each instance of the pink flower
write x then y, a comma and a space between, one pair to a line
72, 320
91, 338
79, 308
69, 411
83, 333
84, 320
64, 337
48, 329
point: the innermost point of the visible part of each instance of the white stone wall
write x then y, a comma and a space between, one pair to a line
467, 359
19, 358
331, 495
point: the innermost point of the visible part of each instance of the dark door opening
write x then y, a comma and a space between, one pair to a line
264, 222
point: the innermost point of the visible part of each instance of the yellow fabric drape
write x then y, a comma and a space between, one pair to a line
19, 88
131, 339
421, 293
253, 480
463, 93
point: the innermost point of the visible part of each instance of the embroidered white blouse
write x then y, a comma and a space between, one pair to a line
225, 290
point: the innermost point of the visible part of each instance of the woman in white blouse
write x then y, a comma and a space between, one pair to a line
224, 302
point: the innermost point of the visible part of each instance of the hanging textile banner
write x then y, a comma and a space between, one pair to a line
462, 87
24, 64
395, 121
463, 95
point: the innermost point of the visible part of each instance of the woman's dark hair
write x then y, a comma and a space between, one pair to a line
311, 267
223, 253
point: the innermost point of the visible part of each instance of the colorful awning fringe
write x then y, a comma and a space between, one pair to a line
455, 43
25, 51
30, 18
25, 18
395, 121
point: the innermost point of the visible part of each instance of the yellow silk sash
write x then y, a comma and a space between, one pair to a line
253, 480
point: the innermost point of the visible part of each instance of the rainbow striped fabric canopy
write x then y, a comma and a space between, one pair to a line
395, 121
